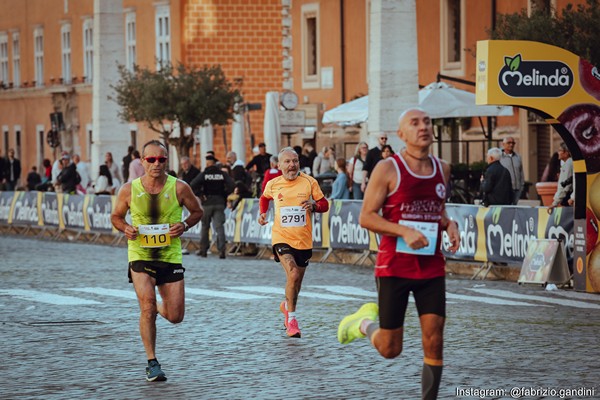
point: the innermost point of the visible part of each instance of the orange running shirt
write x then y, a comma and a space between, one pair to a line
292, 225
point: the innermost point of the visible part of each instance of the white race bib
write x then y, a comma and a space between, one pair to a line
292, 216
429, 229
156, 235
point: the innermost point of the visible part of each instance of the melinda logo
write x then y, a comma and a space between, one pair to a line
520, 78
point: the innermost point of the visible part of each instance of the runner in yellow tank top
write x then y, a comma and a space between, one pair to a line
295, 196
155, 201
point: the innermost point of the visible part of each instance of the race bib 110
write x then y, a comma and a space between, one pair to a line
156, 235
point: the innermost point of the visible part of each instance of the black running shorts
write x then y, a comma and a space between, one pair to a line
302, 257
429, 294
163, 272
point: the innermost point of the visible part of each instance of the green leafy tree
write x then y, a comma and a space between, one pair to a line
576, 29
171, 96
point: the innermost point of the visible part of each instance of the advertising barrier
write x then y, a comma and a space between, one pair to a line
496, 234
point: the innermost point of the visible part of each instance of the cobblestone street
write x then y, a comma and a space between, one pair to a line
69, 320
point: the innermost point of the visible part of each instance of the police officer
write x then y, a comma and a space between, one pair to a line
212, 186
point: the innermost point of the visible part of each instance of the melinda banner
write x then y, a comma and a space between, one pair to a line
563, 89
498, 234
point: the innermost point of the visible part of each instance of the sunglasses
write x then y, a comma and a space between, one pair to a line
382, 138
152, 160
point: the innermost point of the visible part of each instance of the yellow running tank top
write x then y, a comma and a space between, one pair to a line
148, 209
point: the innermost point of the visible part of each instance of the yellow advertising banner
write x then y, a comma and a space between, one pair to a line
533, 75
564, 89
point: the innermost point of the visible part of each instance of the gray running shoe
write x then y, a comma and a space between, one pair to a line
154, 373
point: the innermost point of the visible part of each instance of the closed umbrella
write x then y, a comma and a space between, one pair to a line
238, 144
206, 141
272, 127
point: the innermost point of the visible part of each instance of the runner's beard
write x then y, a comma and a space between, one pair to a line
290, 175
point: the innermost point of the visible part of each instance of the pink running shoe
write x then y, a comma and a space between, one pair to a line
292, 328
283, 309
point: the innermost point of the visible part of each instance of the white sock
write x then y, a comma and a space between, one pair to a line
291, 315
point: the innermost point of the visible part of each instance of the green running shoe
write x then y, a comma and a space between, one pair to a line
349, 328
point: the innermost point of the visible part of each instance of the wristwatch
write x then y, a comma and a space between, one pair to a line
185, 226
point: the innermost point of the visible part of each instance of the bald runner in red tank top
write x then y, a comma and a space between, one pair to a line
416, 198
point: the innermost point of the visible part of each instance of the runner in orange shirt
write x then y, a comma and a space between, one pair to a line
295, 195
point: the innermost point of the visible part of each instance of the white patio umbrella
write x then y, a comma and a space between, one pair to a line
206, 141
351, 113
238, 144
439, 99
272, 127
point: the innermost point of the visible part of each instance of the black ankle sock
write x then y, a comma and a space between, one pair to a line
430, 381
154, 359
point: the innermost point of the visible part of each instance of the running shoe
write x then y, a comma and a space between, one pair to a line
154, 373
349, 328
285, 313
292, 328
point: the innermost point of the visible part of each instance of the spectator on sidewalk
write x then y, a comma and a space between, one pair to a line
33, 179
83, 171
46, 183
12, 171
552, 170
271, 173
238, 172
324, 162
261, 161
513, 163
564, 190
355, 168
305, 164
136, 169
126, 161
104, 183
340, 184
495, 182
114, 169
386, 151
188, 171
373, 157
68, 177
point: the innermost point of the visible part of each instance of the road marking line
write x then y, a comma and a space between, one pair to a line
351, 290
488, 300
227, 295
126, 294
577, 295
49, 298
281, 292
513, 295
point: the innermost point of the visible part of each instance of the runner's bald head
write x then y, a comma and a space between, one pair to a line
408, 113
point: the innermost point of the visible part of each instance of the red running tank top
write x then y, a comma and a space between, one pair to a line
415, 198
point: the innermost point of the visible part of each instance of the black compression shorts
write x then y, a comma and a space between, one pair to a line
163, 272
429, 294
302, 257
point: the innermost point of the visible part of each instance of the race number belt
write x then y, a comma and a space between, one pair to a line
155, 235
292, 216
